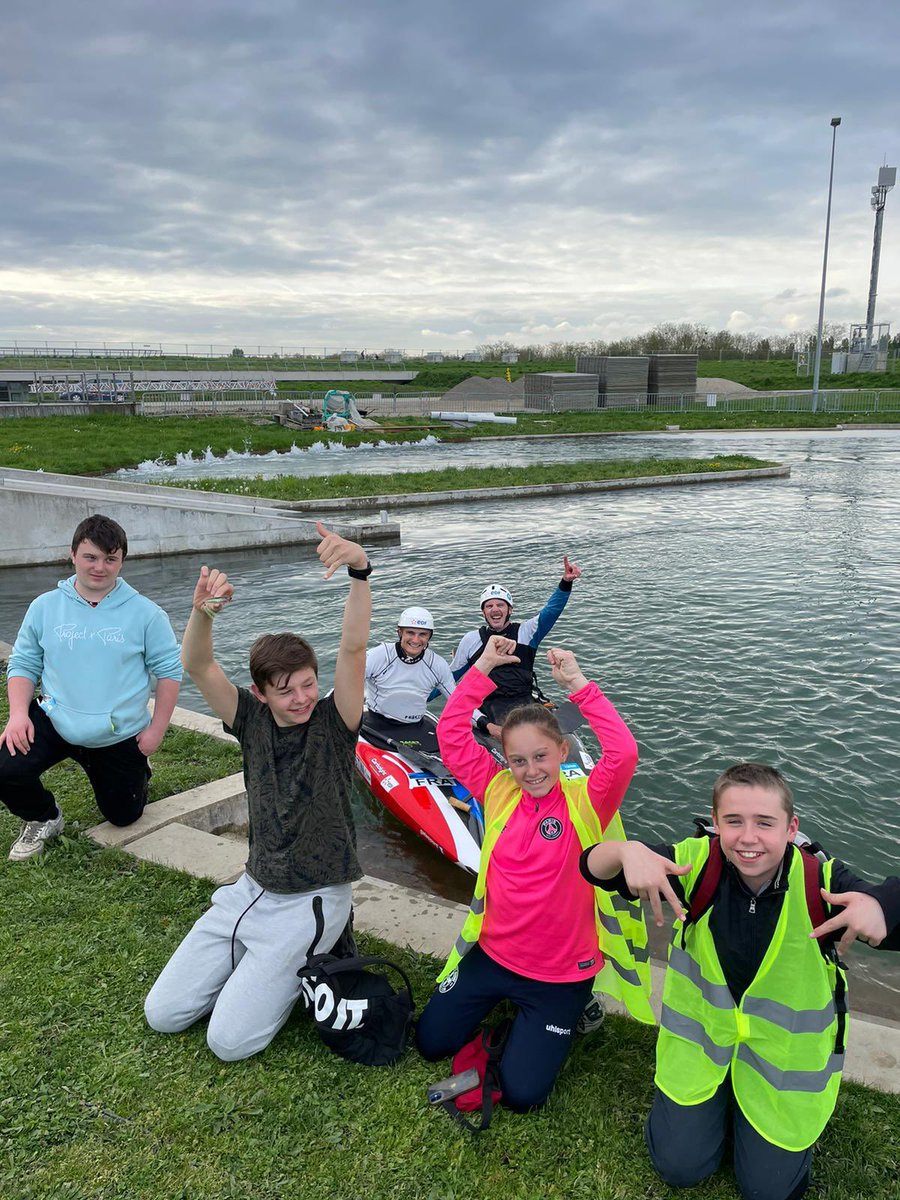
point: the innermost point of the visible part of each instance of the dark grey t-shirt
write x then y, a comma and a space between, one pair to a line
299, 781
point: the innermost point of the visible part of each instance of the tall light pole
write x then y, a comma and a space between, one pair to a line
835, 121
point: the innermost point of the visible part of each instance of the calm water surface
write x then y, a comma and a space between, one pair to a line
755, 621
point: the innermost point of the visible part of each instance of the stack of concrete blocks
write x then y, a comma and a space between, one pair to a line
561, 391
622, 381
671, 375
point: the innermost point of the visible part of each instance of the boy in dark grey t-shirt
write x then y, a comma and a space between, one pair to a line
239, 962
298, 781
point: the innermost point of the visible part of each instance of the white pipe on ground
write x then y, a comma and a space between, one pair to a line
474, 417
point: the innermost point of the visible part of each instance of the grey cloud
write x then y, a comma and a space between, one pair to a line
434, 144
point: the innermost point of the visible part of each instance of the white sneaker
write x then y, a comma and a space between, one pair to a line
34, 836
593, 1016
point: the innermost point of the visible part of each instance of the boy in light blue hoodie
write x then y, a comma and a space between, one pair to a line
92, 643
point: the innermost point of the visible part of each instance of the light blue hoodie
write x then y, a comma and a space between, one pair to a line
95, 663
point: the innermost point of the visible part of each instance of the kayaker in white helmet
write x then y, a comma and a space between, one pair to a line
402, 675
515, 683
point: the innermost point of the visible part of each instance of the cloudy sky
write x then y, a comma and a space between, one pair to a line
373, 173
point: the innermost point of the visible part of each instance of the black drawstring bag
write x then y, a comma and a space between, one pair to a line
356, 1011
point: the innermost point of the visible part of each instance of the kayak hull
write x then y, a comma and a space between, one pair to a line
419, 800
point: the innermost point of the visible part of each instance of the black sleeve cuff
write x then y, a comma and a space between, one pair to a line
615, 884
565, 585
887, 894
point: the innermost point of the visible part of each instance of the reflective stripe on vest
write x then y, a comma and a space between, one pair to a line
778, 1044
621, 931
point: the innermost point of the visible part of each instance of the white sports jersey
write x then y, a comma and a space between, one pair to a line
400, 690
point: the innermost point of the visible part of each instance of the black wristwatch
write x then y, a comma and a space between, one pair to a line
360, 572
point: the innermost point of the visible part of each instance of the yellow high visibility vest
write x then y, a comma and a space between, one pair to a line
621, 930
779, 1043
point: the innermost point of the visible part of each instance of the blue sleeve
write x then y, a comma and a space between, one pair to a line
546, 618
161, 651
27, 658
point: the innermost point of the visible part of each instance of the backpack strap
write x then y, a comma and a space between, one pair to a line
812, 882
706, 887
329, 965
812, 857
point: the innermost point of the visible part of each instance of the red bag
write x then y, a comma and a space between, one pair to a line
483, 1053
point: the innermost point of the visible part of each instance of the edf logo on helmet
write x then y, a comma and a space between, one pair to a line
495, 591
416, 617
338, 1014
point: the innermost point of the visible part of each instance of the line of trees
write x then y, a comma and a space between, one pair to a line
684, 337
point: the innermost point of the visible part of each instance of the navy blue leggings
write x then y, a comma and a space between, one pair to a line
687, 1142
542, 1031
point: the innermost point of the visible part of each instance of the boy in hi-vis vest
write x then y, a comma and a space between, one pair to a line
754, 1011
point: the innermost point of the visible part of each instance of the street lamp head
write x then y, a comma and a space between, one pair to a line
835, 121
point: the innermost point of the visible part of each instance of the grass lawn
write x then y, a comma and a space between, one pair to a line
454, 479
106, 442
94, 445
94, 1106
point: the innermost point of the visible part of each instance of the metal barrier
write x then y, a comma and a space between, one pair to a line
377, 404
199, 404
837, 402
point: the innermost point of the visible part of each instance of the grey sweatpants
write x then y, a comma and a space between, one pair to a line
240, 963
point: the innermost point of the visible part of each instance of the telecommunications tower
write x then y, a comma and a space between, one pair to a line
887, 177
869, 344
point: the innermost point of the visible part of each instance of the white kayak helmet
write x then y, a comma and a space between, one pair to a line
416, 618
495, 591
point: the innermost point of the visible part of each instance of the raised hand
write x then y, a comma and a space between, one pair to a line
571, 571
335, 551
862, 918
498, 651
566, 670
647, 876
213, 590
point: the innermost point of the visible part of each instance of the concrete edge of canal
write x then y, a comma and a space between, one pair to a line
182, 833
39, 509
